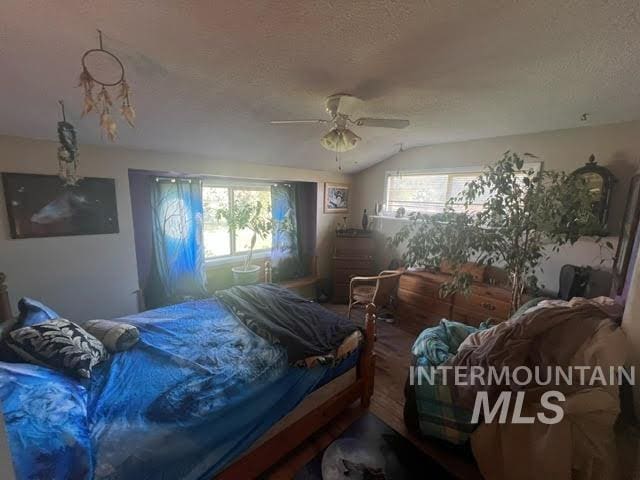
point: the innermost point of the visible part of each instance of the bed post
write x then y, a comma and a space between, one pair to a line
268, 272
5, 306
367, 363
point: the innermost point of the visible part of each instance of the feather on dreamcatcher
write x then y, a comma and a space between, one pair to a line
97, 97
67, 151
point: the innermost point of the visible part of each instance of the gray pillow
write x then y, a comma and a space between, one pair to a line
115, 336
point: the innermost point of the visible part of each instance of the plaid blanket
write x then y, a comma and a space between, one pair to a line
430, 400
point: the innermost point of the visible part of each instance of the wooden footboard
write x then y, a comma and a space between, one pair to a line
272, 450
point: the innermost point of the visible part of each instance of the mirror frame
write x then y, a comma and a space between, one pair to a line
601, 207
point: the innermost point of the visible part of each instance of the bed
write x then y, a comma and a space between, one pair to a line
200, 396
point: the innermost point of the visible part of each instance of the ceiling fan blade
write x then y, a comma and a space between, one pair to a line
382, 122
286, 122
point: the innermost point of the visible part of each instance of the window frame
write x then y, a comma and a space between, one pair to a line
235, 256
451, 172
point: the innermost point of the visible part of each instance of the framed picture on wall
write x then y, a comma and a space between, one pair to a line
627, 235
336, 198
42, 206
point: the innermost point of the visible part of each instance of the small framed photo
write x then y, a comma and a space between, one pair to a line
336, 198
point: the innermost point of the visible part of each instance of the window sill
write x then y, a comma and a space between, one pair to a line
388, 217
233, 260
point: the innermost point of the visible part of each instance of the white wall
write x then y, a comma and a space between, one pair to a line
95, 276
615, 146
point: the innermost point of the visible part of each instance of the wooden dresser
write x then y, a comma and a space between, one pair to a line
420, 305
352, 256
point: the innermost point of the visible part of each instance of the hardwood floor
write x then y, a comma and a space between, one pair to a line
393, 349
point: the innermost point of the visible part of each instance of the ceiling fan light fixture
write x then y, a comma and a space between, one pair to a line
340, 140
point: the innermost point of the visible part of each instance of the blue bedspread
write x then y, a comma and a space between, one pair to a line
195, 392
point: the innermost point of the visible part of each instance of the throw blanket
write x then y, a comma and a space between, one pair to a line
302, 327
429, 407
555, 333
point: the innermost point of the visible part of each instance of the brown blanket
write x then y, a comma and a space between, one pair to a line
580, 447
548, 335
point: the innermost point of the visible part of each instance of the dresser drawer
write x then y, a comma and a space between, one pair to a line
422, 301
483, 305
420, 286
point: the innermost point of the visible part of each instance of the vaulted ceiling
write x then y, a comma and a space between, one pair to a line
207, 76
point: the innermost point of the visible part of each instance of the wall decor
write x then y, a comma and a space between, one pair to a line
627, 235
67, 151
600, 182
44, 206
336, 198
102, 101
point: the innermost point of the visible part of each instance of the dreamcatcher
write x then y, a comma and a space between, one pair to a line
98, 98
67, 151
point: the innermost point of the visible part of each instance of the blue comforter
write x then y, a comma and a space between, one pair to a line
195, 392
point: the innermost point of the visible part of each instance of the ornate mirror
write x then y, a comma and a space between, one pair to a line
600, 181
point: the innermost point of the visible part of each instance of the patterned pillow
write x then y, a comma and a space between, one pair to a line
60, 345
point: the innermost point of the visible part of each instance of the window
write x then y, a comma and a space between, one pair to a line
219, 239
428, 191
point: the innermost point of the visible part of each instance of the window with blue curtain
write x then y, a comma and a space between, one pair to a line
178, 250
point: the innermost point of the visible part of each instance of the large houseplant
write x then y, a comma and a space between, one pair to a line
247, 215
509, 217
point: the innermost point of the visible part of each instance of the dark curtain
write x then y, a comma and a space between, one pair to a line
306, 212
285, 254
293, 208
178, 270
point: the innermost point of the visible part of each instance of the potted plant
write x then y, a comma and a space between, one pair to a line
508, 217
247, 215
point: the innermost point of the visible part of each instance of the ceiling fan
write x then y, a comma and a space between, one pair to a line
340, 138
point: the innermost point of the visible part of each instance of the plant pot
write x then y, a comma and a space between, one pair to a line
246, 277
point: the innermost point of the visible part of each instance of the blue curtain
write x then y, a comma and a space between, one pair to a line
178, 249
285, 253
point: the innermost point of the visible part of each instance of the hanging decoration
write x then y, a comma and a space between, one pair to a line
98, 98
67, 151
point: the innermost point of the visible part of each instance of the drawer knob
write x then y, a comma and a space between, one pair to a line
488, 306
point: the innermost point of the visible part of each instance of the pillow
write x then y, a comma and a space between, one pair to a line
116, 336
60, 345
33, 312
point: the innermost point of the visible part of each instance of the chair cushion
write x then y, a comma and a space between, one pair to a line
364, 293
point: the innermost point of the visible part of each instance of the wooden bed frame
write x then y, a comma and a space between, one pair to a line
270, 451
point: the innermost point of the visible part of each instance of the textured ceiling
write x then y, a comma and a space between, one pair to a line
207, 76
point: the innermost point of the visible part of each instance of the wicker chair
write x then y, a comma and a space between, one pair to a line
377, 290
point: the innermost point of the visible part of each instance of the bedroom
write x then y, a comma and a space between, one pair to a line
473, 80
